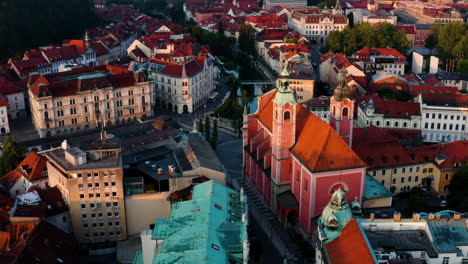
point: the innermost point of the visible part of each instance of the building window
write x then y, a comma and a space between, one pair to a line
416, 179
306, 185
345, 112
382, 182
393, 181
446, 260
395, 171
409, 179
287, 115
423, 254
383, 172
402, 179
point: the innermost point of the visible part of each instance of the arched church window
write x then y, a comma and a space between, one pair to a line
287, 115
345, 112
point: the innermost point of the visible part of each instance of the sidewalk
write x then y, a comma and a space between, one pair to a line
270, 223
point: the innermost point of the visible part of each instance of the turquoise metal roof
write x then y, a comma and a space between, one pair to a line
138, 258
206, 229
447, 234
335, 215
373, 189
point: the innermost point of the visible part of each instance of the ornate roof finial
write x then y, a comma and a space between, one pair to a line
285, 72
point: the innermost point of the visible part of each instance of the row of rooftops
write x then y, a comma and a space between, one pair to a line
381, 148
235, 7
83, 80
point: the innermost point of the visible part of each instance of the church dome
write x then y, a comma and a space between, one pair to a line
342, 90
337, 210
284, 94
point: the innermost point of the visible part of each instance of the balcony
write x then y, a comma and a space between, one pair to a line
90, 189
115, 198
116, 208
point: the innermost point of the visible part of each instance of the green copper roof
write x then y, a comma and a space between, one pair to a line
138, 258
335, 215
373, 189
284, 94
206, 229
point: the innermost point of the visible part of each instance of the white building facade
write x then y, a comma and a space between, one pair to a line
443, 121
316, 24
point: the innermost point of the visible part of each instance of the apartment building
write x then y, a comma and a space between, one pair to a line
289, 4
374, 60
90, 180
444, 117
332, 63
302, 79
316, 24
87, 98
426, 13
388, 114
392, 164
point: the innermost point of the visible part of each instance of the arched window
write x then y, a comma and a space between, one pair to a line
287, 115
345, 112
46, 115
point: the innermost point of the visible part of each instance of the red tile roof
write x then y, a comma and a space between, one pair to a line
366, 53
34, 165
350, 246
7, 87
395, 109
325, 151
60, 84
409, 29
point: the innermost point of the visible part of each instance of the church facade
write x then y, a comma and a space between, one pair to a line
294, 159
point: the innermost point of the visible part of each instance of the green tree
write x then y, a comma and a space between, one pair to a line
200, 126
462, 65
385, 93
363, 35
452, 39
26, 24
458, 199
207, 128
12, 155
220, 29
246, 39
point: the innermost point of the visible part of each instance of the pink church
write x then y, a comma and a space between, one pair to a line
294, 159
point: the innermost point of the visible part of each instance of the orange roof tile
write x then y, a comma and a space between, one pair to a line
317, 145
350, 246
34, 165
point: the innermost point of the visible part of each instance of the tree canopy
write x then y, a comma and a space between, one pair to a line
25, 24
458, 199
451, 39
12, 155
363, 35
247, 39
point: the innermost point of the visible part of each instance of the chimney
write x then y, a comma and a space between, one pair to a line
160, 171
457, 217
372, 216
438, 217
416, 217
171, 169
396, 217
431, 217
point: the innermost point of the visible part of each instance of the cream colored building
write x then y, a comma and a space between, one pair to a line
90, 180
388, 114
404, 177
316, 24
86, 98
425, 13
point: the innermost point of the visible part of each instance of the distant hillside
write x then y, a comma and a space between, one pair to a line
26, 24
